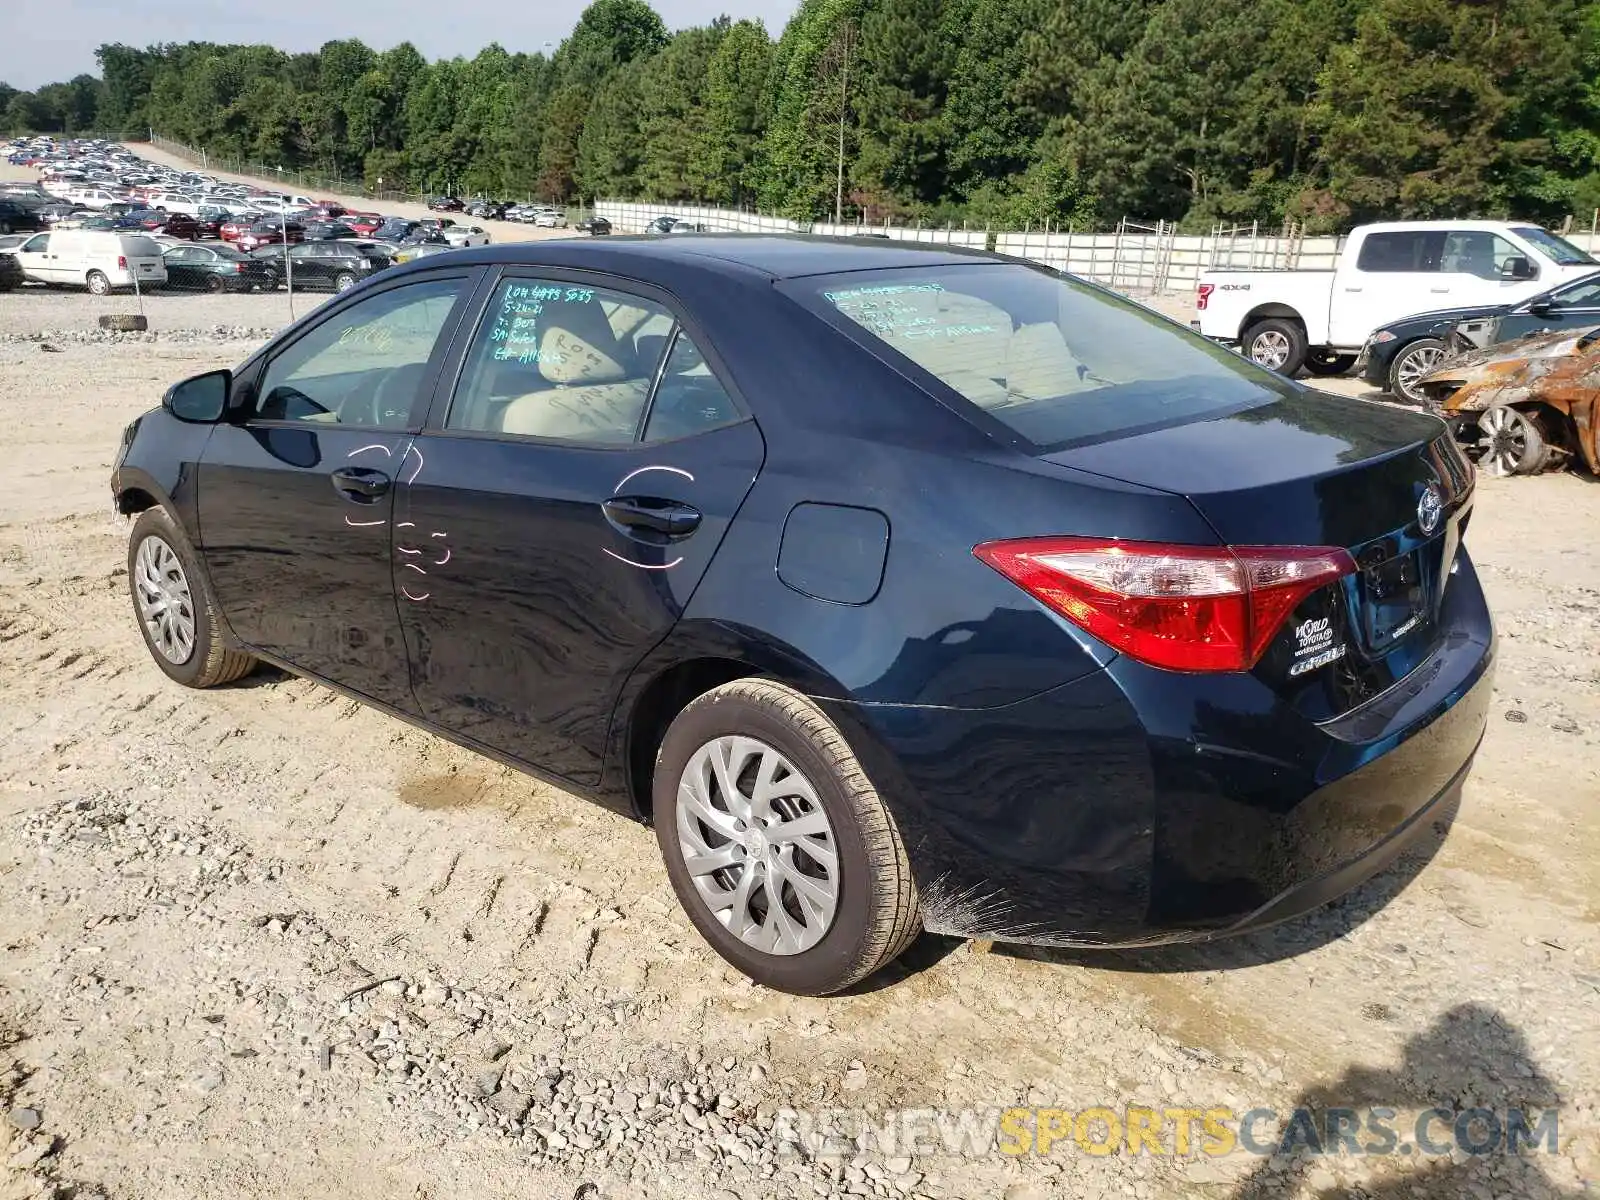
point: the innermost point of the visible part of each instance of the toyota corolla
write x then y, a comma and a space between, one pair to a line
897, 588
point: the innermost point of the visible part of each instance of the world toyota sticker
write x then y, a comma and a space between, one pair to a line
1314, 646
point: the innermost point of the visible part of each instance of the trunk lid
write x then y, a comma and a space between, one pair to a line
1314, 469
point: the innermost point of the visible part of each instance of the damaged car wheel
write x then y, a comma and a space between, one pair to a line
1510, 443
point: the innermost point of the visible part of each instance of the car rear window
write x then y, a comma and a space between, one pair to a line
141, 246
1054, 360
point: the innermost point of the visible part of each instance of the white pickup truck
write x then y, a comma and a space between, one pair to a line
1320, 320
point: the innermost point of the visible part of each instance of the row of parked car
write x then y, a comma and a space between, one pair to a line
102, 218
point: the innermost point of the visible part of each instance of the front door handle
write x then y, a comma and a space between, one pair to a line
647, 514
360, 483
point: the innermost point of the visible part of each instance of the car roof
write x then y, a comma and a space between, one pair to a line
776, 256
1425, 226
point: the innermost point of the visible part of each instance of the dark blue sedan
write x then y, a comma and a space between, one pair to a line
899, 588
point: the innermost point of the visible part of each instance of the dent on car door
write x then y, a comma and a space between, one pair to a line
568, 498
298, 488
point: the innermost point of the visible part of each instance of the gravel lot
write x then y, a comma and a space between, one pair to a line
261, 941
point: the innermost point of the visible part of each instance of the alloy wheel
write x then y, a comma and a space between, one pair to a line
1270, 349
1502, 441
758, 845
1416, 364
166, 606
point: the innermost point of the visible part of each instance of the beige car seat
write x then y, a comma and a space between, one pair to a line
597, 395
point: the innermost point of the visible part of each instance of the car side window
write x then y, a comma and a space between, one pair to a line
364, 364
1477, 252
37, 244
563, 361
1585, 294
1408, 250
689, 399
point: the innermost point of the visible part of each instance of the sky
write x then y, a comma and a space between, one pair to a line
45, 41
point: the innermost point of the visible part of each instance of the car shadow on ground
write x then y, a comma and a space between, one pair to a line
1469, 1058
1276, 943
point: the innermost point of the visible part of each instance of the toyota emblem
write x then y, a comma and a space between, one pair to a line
1430, 508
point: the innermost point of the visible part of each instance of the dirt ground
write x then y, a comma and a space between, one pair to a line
261, 941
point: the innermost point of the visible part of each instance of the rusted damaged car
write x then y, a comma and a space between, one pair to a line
1524, 406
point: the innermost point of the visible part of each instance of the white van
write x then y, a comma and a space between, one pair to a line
96, 259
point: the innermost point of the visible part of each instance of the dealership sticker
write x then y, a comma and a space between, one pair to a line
1314, 646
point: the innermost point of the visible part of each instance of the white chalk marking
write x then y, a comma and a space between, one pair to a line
640, 565
415, 568
412, 449
360, 524
642, 470
406, 592
374, 446
407, 550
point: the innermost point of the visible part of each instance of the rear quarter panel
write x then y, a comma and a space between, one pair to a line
1237, 295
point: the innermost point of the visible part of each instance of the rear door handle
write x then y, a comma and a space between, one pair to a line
647, 514
360, 483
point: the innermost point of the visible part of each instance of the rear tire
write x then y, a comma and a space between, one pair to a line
1277, 344
1415, 360
846, 920
1510, 442
1326, 363
99, 285
174, 608
214, 283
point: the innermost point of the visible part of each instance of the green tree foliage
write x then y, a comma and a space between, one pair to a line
998, 111
730, 133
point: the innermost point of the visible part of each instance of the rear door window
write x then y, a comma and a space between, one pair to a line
1409, 251
1054, 361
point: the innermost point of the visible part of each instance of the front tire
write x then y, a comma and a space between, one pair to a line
777, 844
174, 606
215, 283
1277, 344
344, 281
1411, 365
1510, 442
99, 285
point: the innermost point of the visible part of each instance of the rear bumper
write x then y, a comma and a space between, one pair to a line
1078, 817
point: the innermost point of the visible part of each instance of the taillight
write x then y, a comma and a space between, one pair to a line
1205, 296
238, 268
1184, 608
122, 262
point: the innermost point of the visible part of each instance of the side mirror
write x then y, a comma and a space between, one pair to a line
1518, 267
200, 400
1541, 307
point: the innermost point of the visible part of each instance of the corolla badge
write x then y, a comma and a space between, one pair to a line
1430, 508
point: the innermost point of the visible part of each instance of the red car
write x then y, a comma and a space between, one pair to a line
270, 231
231, 229
181, 225
366, 224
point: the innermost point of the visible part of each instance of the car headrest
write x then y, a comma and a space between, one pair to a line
577, 345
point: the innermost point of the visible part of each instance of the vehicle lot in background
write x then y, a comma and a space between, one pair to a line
1321, 319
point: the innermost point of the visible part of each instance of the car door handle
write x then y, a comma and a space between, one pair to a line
636, 514
1439, 290
360, 483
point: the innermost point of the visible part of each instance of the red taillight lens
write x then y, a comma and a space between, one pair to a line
1184, 608
238, 268
122, 262
1205, 295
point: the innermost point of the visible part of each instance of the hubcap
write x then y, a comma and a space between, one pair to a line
1270, 349
1414, 366
165, 604
758, 845
1502, 441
